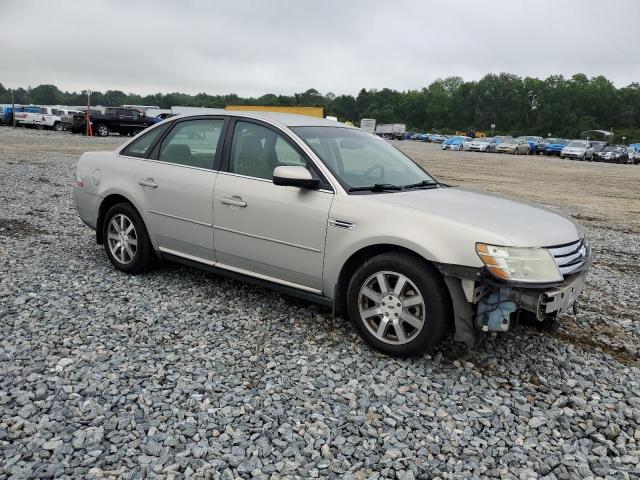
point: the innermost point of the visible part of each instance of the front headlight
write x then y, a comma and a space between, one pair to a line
531, 265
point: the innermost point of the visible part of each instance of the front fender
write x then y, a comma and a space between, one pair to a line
436, 239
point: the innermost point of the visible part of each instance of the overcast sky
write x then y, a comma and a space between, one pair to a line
254, 47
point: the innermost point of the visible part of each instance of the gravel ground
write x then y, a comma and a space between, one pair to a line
178, 373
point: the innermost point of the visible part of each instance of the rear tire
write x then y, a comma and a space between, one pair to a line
408, 313
57, 126
126, 239
102, 130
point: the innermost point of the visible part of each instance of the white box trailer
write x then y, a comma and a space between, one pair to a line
392, 130
368, 125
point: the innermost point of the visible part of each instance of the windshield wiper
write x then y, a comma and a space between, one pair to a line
423, 183
377, 187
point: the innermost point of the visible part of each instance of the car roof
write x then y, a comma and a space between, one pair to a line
284, 119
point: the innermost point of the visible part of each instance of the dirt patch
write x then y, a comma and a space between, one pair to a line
590, 339
598, 193
18, 228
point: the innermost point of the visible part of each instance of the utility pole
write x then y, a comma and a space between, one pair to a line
89, 132
13, 108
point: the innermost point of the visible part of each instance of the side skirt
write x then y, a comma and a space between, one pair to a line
294, 292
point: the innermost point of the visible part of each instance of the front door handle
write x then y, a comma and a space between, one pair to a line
147, 182
233, 201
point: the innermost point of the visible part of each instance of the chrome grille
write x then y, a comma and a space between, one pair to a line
570, 257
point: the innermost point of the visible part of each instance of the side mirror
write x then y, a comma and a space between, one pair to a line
294, 176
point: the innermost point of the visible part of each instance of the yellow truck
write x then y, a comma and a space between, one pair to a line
310, 111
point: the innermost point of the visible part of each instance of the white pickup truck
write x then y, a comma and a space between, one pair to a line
48, 117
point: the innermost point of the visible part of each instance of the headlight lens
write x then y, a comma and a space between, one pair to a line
532, 265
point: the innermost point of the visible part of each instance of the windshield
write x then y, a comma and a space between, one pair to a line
577, 144
359, 159
533, 139
560, 141
611, 148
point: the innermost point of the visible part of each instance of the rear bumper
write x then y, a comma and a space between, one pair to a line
87, 205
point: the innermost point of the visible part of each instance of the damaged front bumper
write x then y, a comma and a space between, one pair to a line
482, 303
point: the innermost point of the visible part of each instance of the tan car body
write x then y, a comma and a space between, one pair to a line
306, 241
516, 146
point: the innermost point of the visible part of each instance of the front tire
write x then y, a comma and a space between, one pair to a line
126, 239
399, 305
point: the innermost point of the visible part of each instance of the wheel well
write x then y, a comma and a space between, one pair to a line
106, 204
356, 260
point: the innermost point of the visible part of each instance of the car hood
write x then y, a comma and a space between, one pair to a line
523, 224
555, 145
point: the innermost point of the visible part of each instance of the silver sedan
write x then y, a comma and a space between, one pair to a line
335, 215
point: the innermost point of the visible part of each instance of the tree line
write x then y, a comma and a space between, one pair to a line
559, 106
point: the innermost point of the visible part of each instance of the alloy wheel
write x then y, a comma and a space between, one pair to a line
391, 307
122, 238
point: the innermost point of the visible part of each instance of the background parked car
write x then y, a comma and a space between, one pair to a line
480, 145
556, 147
125, 121
634, 153
597, 145
541, 147
495, 141
437, 138
466, 144
580, 149
454, 143
612, 154
516, 146
533, 143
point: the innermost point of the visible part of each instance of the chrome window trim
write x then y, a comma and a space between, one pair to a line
171, 163
248, 177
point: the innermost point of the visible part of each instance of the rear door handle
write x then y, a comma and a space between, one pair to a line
233, 201
147, 182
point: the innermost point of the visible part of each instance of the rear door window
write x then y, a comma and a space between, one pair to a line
193, 143
142, 146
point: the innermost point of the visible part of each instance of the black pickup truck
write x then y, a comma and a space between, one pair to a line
125, 121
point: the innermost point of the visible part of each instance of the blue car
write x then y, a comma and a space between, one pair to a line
634, 153
453, 143
6, 114
533, 143
556, 147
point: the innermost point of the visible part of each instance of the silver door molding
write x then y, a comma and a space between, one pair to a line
268, 239
181, 218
